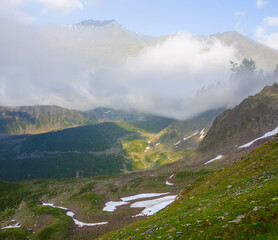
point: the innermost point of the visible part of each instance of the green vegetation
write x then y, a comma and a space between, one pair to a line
186, 173
57, 166
41, 119
236, 202
91, 138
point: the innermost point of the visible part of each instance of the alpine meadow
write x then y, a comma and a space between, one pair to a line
124, 120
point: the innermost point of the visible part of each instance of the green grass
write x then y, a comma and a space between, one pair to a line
207, 208
14, 234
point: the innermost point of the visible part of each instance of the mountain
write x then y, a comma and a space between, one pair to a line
264, 57
36, 119
251, 119
187, 134
97, 23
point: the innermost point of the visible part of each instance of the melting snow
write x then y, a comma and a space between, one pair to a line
143, 195
153, 206
111, 206
218, 157
191, 135
177, 143
202, 133
71, 214
157, 144
168, 183
268, 134
82, 224
12, 226
52, 205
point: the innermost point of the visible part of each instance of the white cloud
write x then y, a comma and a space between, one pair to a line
265, 34
10, 9
239, 27
261, 3
63, 6
271, 21
78, 68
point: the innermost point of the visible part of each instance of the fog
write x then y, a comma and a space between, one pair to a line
82, 68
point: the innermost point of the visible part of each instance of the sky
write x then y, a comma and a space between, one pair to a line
155, 17
179, 77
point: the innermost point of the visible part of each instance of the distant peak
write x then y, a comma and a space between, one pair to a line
98, 23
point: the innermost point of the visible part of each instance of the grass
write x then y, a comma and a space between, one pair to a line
237, 202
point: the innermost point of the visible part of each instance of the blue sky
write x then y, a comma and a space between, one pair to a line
152, 17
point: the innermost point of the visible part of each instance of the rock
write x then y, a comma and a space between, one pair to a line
229, 186
255, 209
150, 230
238, 219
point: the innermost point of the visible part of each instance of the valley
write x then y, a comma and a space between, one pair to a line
192, 181
111, 134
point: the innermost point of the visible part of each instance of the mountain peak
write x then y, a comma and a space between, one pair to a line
97, 23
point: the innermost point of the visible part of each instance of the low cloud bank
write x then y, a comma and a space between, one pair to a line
178, 76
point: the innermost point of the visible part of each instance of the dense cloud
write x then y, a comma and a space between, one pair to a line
82, 68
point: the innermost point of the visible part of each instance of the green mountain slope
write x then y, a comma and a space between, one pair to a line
37, 119
189, 133
103, 148
85, 151
236, 202
251, 119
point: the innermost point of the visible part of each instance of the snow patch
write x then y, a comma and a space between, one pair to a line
191, 135
202, 134
17, 225
111, 206
218, 157
108, 112
168, 183
82, 224
268, 134
177, 143
143, 195
71, 214
153, 206
52, 205
157, 144
171, 176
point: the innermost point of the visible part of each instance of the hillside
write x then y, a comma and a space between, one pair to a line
187, 134
39, 119
99, 149
265, 57
236, 202
251, 119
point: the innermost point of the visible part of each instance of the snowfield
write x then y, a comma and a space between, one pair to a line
218, 157
268, 134
71, 214
17, 225
153, 206
143, 195
82, 224
111, 206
